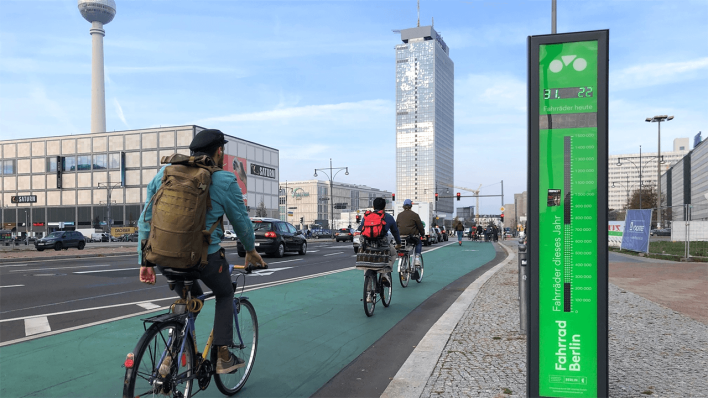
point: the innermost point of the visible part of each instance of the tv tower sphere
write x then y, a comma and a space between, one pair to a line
99, 13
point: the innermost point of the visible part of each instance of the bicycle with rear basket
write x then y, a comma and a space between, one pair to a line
374, 258
166, 361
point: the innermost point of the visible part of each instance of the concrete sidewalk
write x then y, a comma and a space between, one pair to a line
658, 337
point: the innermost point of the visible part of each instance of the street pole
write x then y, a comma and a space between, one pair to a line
658, 119
553, 17
331, 176
640, 177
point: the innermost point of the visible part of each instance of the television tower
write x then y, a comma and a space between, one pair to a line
99, 13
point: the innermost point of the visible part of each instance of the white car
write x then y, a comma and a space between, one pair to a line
229, 234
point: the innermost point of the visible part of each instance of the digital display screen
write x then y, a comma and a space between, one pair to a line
568, 217
568, 92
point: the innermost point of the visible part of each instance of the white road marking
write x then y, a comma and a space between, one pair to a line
269, 271
13, 265
12, 286
37, 325
70, 267
73, 258
312, 251
332, 254
105, 270
285, 261
149, 306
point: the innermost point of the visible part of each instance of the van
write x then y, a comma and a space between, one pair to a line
102, 237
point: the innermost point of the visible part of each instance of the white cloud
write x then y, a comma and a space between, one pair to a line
347, 110
658, 73
119, 112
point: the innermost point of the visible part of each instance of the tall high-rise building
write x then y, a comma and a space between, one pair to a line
425, 132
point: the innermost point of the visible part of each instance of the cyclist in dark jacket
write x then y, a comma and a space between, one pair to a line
410, 224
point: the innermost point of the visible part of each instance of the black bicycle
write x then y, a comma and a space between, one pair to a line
166, 360
374, 259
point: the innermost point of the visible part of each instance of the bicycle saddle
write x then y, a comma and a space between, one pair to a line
174, 275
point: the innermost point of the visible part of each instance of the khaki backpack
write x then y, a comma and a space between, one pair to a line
178, 238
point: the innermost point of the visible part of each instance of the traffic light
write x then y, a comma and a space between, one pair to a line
358, 218
436, 196
393, 197
302, 220
502, 217
458, 196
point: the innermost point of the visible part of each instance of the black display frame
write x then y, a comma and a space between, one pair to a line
533, 228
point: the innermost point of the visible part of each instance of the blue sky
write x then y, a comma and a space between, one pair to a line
315, 79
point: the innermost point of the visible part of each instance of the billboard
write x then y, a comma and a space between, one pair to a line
637, 225
615, 229
238, 166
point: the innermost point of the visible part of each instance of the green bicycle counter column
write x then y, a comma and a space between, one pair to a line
567, 181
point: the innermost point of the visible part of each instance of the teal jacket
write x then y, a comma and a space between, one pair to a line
226, 198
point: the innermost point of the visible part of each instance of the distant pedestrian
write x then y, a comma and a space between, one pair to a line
459, 229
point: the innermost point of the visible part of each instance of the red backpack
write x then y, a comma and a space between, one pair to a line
374, 224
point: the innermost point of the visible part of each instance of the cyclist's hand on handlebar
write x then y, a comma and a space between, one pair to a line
254, 260
147, 275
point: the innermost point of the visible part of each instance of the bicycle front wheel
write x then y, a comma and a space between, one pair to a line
369, 292
157, 367
419, 271
386, 291
404, 275
247, 327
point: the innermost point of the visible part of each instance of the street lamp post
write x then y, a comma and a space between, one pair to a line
331, 186
109, 189
658, 119
639, 167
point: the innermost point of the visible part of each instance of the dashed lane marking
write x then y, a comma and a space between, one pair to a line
37, 325
70, 267
105, 270
285, 261
332, 254
149, 306
12, 286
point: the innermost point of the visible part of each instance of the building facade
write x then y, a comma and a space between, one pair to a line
684, 187
425, 134
311, 201
68, 182
626, 172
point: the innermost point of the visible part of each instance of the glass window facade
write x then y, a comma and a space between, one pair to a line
99, 162
424, 120
8, 167
84, 162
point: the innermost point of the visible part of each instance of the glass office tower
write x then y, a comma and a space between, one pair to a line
425, 119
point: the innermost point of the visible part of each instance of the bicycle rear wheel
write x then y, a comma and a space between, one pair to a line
386, 291
369, 292
419, 271
146, 378
404, 275
247, 326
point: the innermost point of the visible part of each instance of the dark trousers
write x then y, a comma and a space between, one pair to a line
216, 277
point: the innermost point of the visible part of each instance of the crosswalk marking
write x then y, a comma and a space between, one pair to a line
149, 306
37, 325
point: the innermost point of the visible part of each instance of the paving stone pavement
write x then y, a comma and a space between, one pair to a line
654, 351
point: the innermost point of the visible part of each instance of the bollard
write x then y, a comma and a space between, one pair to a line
523, 285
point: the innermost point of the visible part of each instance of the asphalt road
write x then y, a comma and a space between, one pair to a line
59, 294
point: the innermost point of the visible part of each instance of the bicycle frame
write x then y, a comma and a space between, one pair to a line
189, 327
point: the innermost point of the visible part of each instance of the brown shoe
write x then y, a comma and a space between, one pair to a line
230, 364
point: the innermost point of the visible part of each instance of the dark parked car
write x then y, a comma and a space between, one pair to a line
322, 234
61, 240
274, 237
660, 232
344, 234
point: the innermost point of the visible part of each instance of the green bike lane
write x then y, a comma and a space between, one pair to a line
308, 331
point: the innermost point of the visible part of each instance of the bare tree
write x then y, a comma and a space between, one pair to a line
261, 211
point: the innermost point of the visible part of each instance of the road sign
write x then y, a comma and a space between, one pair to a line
502, 208
567, 334
24, 199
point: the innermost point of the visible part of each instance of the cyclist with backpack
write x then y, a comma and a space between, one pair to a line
182, 225
377, 223
410, 225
